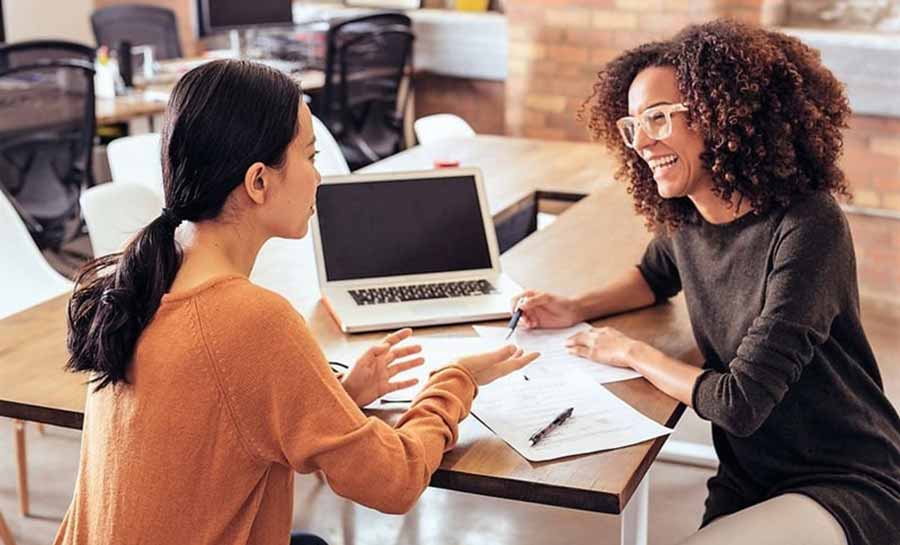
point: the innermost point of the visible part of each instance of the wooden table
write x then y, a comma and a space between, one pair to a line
143, 104
586, 246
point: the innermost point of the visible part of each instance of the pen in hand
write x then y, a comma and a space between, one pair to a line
514, 321
541, 433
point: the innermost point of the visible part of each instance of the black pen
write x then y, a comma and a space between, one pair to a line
541, 433
513, 322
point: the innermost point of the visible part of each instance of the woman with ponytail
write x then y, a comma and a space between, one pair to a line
209, 392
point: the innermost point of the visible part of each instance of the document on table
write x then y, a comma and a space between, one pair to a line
437, 351
514, 408
551, 343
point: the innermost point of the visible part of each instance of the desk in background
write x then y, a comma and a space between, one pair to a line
150, 99
588, 245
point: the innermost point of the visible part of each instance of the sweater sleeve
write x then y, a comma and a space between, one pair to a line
659, 268
289, 408
811, 274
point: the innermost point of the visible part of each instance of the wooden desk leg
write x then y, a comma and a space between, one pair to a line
22, 467
6, 537
634, 516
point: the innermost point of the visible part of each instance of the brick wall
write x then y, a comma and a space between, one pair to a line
557, 46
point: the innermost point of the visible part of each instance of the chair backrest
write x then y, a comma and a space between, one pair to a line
115, 212
437, 127
26, 278
136, 159
139, 25
330, 161
366, 62
46, 142
35, 51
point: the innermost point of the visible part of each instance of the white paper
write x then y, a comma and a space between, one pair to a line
437, 351
555, 359
514, 408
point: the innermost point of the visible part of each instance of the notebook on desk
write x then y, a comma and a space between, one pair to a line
408, 249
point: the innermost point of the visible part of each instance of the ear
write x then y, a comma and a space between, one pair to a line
255, 184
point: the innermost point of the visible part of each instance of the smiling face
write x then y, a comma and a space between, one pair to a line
675, 160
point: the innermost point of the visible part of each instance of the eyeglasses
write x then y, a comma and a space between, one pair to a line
656, 123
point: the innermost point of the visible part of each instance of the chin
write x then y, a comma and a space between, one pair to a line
670, 189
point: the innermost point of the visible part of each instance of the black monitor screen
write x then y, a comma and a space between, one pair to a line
394, 228
226, 14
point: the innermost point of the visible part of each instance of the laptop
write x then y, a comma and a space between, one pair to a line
404, 249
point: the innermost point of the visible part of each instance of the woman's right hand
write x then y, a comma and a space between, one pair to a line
542, 310
489, 366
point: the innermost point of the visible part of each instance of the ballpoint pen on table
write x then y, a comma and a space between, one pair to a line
541, 433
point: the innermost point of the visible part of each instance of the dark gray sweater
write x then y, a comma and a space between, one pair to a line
790, 383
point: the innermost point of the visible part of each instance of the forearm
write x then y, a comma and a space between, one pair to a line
672, 376
628, 291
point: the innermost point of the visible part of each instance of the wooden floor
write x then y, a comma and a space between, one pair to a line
441, 517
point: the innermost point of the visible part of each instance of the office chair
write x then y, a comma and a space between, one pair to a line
366, 61
46, 139
139, 25
437, 127
34, 51
115, 212
26, 279
136, 160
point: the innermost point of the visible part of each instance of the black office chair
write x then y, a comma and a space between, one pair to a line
138, 25
34, 51
366, 61
46, 138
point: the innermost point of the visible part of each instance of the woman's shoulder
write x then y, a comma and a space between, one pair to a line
236, 300
817, 214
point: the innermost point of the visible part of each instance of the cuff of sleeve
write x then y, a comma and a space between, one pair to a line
464, 371
697, 398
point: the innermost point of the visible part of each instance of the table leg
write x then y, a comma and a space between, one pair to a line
22, 466
634, 516
6, 537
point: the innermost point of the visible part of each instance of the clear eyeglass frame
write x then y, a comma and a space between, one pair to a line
656, 122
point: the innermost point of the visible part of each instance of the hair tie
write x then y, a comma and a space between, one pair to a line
170, 217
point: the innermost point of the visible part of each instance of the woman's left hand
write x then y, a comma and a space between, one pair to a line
602, 344
371, 377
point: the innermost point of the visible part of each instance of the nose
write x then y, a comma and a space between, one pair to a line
642, 141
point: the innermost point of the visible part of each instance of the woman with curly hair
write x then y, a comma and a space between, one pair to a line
728, 136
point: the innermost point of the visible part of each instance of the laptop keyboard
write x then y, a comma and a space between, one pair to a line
420, 292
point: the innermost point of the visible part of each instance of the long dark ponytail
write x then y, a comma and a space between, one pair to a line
222, 117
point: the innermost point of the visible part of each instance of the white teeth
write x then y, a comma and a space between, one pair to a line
661, 162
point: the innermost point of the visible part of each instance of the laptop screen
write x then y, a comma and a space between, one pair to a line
393, 228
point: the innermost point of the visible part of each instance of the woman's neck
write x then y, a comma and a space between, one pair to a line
715, 210
216, 248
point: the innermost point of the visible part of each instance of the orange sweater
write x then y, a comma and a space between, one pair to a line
228, 395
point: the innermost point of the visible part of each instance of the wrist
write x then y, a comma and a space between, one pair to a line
580, 310
348, 388
636, 353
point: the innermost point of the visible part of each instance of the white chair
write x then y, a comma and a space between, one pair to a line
437, 127
330, 161
115, 212
26, 279
136, 159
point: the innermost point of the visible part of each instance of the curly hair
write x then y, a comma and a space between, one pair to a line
770, 114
